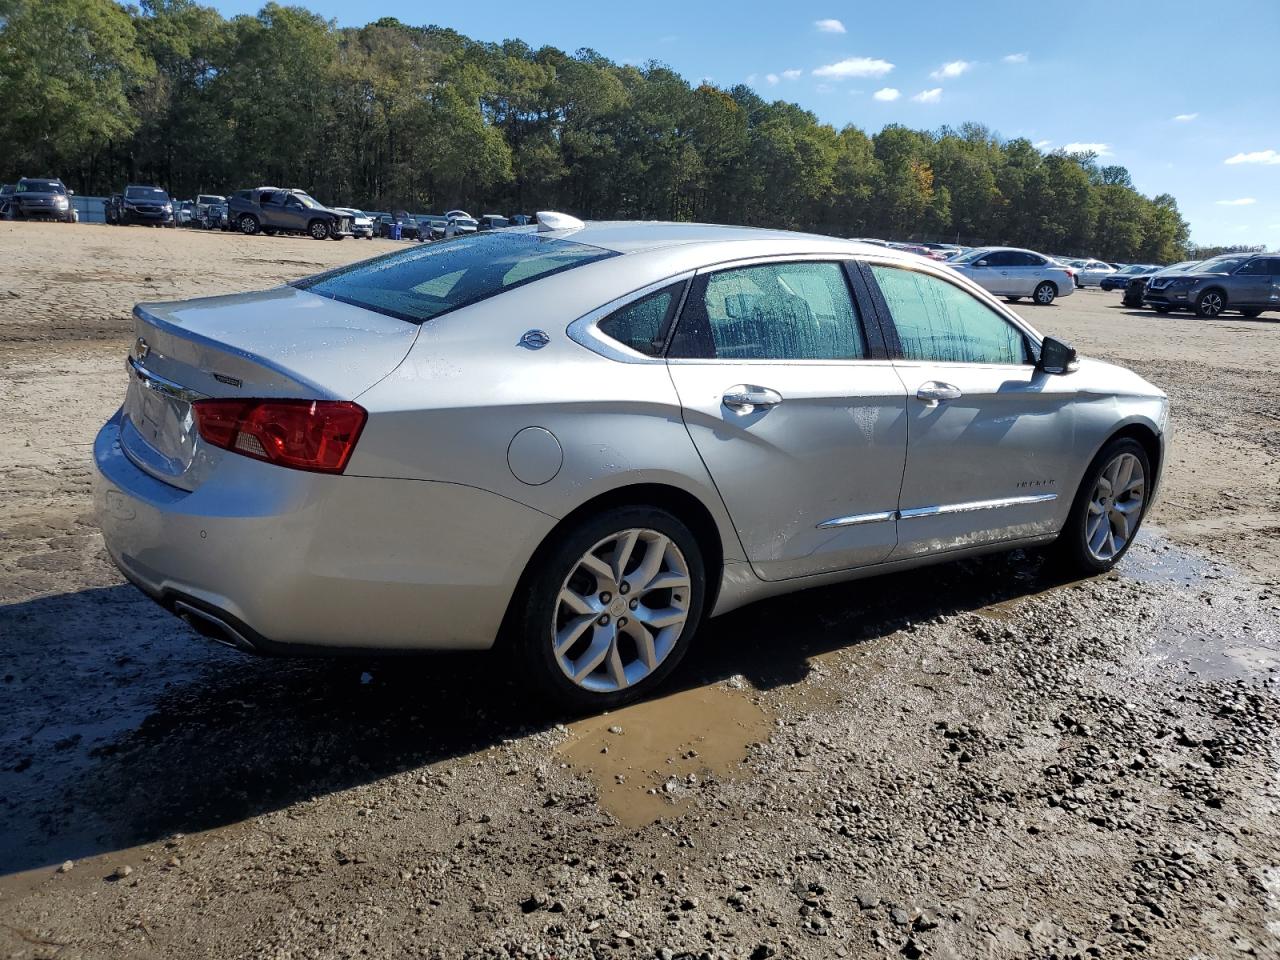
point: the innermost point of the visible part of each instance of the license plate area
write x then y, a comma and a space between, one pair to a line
158, 430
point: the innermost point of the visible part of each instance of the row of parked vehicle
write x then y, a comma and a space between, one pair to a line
1244, 282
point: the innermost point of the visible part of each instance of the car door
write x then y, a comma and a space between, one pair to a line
796, 411
1253, 285
989, 437
1031, 269
995, 275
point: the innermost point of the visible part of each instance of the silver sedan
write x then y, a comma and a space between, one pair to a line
589, 438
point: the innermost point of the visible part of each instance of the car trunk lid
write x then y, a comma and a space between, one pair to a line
282, 342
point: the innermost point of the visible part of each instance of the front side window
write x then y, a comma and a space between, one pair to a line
938, 321
775, 311
419, 284
641, 324
1254, 268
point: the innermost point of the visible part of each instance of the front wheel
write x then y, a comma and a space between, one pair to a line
1045, 293
1209, 304
319, 230
1108, 509
610, 608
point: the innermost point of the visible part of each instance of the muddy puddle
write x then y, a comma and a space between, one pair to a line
647, 759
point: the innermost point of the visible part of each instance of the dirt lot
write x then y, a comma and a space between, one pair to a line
983, 762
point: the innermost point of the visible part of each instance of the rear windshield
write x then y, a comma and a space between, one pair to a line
419, 284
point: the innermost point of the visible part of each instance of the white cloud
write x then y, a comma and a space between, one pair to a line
928, 96
771, 79
792, 74
830, 26
1014, 58
1186, 117
1041, 144
855, 67
1241, 202
1100, 149
1267, 157
887, 94
949, 71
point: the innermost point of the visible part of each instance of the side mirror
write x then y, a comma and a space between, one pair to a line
981, 263
1056, 357
71, 193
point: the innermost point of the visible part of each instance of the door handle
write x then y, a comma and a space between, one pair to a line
745, 397
935, 391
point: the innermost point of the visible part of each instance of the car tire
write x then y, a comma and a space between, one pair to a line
333, 232
1092, 542
318, 230
570, 590
1210, 304
1252, 312
249, 224
1045, 293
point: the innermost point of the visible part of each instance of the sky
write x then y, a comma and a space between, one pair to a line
1129, 79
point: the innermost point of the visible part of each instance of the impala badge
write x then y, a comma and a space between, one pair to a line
534, 339
142, 348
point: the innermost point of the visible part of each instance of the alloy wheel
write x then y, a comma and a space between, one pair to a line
1045, 294
621, 610
1211, 304
1115, 507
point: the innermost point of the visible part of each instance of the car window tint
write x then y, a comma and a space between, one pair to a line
1256, 267
939, 321
639, 324
776, 311
418, 284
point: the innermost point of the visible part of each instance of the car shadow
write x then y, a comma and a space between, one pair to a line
122, 726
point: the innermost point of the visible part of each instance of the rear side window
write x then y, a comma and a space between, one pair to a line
419, 284
938, 321
775, 311
641, 324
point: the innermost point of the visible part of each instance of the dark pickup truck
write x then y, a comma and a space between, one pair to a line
274, 210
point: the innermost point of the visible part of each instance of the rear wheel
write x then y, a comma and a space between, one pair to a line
610, 609
1210, 303
1108, 509
1046, 292
249, 224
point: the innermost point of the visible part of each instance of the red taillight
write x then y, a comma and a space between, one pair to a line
316, 435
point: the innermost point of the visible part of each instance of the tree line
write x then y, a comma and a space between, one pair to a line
390, 116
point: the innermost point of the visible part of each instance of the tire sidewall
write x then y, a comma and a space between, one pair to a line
1053, 294
535, 612
1073, 541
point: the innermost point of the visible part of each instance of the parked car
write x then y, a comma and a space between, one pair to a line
361, 222
1249, 283
298, 470
140, 204
919, 249
409, 229
184, 212
462, 224
1090, 272
6, 201
207, 217
272, 210
42, 198
520, 219
1120, 279
492, 221
1013, 273
433, 228
453, 214
1135, 290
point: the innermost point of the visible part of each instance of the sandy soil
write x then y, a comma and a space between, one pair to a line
997, 765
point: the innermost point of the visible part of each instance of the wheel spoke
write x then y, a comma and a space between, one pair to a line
1124, 470
616, 671
602, 643
568, 635
644, 643
1095, 523
665, 617
622, 553
655, 553
1119, 525
597, 568
668, 580
576, 603
1095, 508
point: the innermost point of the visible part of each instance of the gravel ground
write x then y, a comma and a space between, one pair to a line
983, 762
